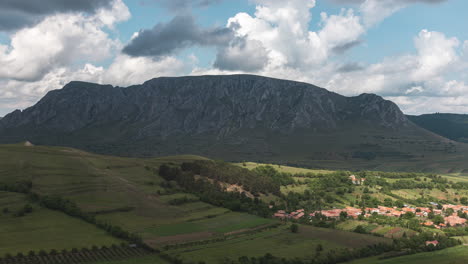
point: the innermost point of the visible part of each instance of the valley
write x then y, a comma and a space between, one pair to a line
233, 132
175, 217
235, 118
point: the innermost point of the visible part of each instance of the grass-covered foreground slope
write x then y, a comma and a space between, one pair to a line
127, 193
44, 229
280, 242
194, 209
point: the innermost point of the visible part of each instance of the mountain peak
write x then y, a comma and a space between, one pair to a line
220, 110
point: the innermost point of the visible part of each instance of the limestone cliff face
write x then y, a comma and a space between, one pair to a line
231, 117
215, 104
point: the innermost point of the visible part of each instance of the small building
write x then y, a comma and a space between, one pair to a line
454, 220
428, 223
434, 243
357, 181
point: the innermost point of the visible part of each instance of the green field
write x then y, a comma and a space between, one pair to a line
455, 255
129, 193
463, 239
381, 230
279, 242
45, 229
122, 191
282, 168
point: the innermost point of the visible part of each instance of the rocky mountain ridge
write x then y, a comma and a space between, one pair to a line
206, 103
234, 117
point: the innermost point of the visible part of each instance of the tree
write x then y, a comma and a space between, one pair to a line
319, 248
414, 224
408, 215
449, 211
360, 229
464, 200
438, 219
343, 215
294, 228
27, 208
388, 202
399, 204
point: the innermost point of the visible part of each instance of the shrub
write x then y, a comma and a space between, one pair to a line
294, 228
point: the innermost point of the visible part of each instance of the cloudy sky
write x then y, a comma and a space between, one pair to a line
414, 52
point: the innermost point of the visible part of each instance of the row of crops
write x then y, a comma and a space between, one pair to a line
76, 256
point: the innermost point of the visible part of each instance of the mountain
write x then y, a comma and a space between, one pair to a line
236, 117
452, 126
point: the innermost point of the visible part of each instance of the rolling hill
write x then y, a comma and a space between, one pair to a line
131, 193
184, 219
452, 126
123, 191
235, 118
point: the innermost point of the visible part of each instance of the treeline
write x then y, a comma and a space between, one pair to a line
225, 237
75, 255
281, 178
263, 180
392, 175
183, 200
320, 257
427, 182
212, 193
70, 208
417, 243
400, 247
19, 186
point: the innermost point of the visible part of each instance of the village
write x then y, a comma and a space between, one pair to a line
450, 214
423, 213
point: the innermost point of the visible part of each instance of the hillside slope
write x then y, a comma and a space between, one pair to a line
238, 117
452, 126
125, 192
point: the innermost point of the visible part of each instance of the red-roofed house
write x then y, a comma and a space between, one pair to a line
434, 243
454, 220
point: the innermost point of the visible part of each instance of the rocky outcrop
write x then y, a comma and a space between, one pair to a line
221, 104
206, 110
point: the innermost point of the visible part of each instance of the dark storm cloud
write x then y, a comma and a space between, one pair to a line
351, 67
346, 46
180, 32
15, 14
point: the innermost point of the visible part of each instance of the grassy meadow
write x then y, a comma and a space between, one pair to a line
44, 229
129, 193
282, 168
122, 191
278, 241
455, 255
